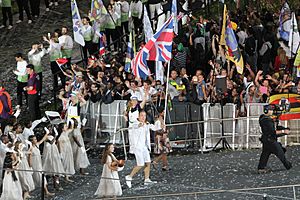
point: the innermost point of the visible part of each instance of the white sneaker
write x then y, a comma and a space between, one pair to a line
128, 181
9, 27
47, 9
19, 21
55, 3
50, 4
29, 21
148, 181
2, 26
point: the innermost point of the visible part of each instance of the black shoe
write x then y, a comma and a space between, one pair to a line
289, 166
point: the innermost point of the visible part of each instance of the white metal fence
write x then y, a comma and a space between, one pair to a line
104, 121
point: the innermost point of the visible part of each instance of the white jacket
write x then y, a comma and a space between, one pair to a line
140, 137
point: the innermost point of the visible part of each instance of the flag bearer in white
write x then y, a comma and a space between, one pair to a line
141, 148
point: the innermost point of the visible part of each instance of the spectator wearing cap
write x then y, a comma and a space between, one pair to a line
22, 78
32, 91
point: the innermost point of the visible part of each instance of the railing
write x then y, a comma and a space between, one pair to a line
199, 124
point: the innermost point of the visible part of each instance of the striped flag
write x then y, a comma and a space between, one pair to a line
229, 40
101, 44
174, 12
129, 54
77, 24
158, 48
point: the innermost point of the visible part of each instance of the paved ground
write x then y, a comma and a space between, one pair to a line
198, 173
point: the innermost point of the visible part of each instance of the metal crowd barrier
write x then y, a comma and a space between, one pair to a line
189, 122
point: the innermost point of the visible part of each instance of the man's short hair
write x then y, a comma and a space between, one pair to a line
19, 55
30, 66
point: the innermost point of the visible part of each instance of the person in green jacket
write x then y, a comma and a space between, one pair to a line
6, 14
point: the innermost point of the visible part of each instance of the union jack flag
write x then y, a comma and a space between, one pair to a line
158, 48
101, 45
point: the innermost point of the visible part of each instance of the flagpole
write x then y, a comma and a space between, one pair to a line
167, 88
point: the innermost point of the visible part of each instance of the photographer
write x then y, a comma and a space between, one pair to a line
269, 140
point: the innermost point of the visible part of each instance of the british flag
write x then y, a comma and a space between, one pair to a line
101, 44
158, 48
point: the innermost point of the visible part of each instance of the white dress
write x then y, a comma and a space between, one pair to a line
11, 189
109, 186
51, 158
66, 153
80, 157
37, 165
25, 178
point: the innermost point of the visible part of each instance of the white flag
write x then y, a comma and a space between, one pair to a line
174, 13
147, 26
77, 24
294, 38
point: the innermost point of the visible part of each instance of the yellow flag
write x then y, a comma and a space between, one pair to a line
222, 39
229, 40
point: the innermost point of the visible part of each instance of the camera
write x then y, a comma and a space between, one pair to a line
282, 107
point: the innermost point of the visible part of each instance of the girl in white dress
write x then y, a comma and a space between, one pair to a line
51, 158
25, 178
65, 149
81, 160
11, 186
109, 185
35, 161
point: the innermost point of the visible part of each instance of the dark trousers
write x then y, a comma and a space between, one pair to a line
57, 72
7, 15
137, 25
272, 148
88, 47
40, 77
20, 90
35, 7
34, 107
119, 34
111, 34
23, 5
69, 62
124, 26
